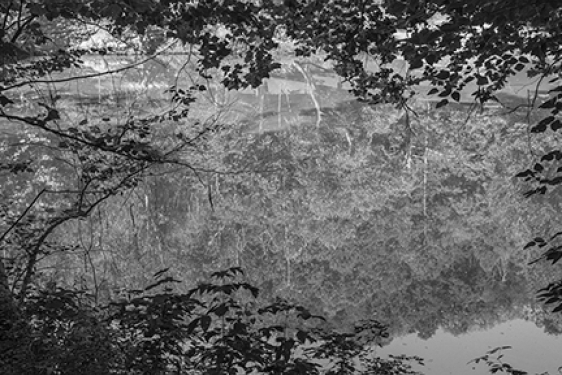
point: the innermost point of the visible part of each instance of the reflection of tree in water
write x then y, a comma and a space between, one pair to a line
462, 298
553, 324
343, 223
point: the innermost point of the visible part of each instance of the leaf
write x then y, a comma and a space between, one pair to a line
456, 96
239, 328
442, 103
416, 64
551, 103
302, 336
221, 310
305, 314
430, 59
481, 80
192, 325
445, 92
556, 125
556, 154
554, 255
443, 74
205, 322
53, 114
545, 121
539, 128
529, 244
433, 91
228, 273
497, 349
5, 101
525, 173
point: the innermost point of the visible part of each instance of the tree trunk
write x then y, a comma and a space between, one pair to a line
8, 310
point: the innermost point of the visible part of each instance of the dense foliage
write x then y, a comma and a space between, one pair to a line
215, 328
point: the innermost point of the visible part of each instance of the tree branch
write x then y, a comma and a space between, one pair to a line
21, 28
79, 212
86, 76
5, 234
6, 14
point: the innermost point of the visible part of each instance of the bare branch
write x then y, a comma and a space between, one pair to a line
21, 28
86, 76
22, 215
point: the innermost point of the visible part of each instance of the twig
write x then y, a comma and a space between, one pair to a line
5, 234
86, 76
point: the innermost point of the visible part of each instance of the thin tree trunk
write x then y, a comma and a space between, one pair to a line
279, 111
425, 161
311, 92
261, 93
8, 310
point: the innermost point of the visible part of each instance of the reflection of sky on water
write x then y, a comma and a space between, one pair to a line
532, 350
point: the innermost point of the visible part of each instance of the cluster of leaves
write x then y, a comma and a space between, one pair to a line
552, 293
214, 328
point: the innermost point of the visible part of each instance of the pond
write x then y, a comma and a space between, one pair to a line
425, 234
413, 220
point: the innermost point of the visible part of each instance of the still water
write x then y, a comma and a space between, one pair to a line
418, 225
445, 354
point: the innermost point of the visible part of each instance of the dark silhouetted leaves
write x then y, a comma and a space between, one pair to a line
481, 80
542, 125
443, 75
556, 125
442, 103
553, 155
551, 103
4, 101
416, 64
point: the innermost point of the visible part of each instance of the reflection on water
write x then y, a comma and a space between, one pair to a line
446, 354
428, 238
417, 225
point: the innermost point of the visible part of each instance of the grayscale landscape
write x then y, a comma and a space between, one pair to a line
184, 192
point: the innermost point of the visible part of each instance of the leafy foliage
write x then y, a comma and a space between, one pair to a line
214, 328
